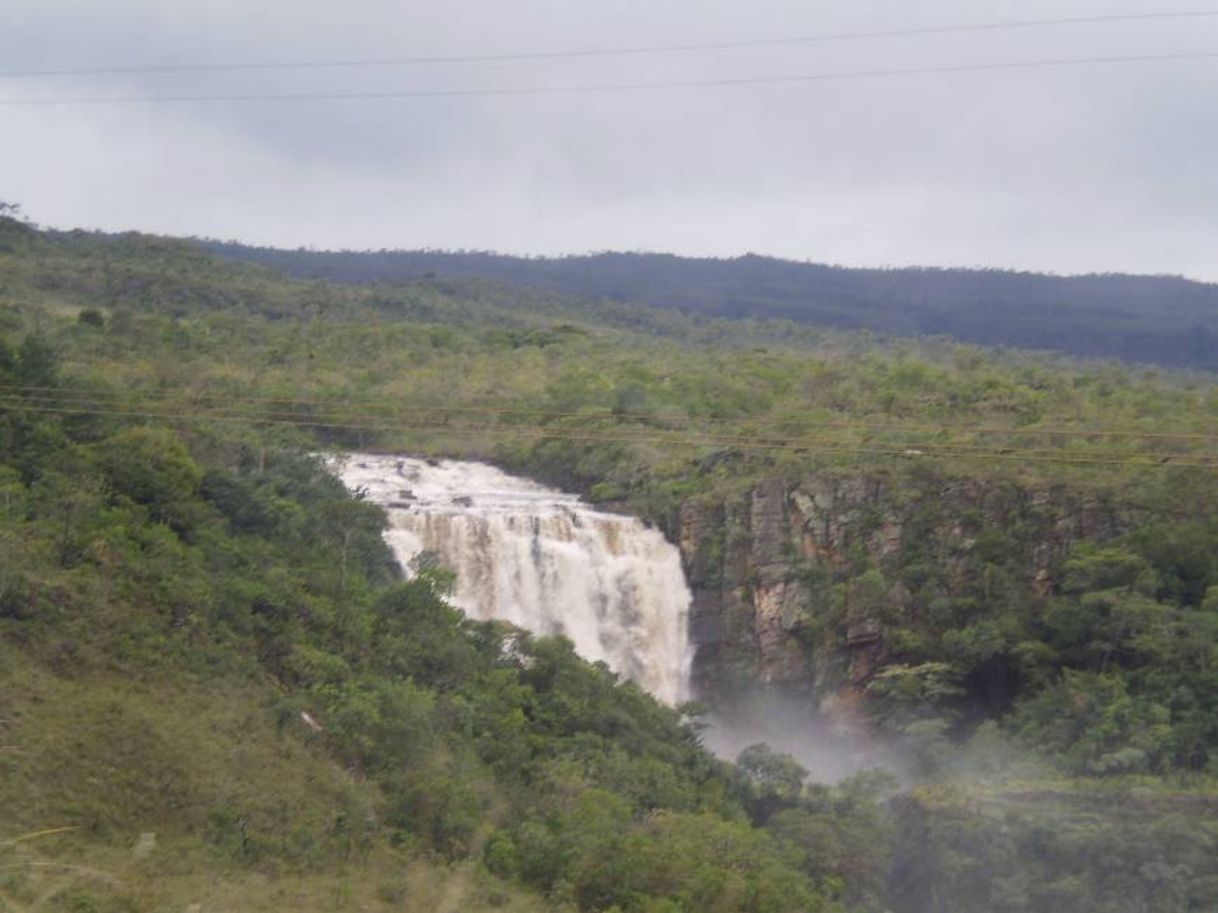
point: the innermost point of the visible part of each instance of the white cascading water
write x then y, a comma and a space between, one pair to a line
540, 559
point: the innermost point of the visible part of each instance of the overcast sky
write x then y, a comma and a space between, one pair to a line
1096, 168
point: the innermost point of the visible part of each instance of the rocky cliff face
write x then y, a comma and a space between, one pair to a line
801, 584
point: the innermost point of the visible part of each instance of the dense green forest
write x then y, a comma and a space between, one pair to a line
215, 690
1156, 319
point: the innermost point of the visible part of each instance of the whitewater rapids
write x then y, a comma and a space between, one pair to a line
540, 559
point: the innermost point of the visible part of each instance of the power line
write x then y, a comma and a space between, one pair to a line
825, 38
637, 434
794, 445
606, 88
399, 408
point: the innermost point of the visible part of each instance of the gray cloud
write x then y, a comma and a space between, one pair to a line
1102, 168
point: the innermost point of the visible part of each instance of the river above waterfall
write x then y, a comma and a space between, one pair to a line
541, 559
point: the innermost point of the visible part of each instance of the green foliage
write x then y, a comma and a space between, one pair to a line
907, 692
1116, 852
202, 634
353, 714
1135, 657
152, 467
37, 362
773, 776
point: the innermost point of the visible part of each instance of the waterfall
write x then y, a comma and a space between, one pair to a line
540, 559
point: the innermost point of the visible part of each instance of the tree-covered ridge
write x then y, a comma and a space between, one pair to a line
363, 355
213, 679
200, 635
1143, 319
619, 405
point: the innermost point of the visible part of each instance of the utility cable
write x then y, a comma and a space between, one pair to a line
824, 38
1144, 461
616, 87
399, 407
704, 437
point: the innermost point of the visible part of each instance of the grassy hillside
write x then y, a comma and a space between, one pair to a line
650, 389
209, 673
213, 681
216, 693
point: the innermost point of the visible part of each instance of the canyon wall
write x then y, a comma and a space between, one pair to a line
802, 584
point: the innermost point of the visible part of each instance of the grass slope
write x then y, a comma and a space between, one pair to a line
180, 581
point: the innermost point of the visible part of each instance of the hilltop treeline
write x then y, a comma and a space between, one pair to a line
1149, 319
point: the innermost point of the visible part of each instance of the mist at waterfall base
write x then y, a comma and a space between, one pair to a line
829, 750
549, 563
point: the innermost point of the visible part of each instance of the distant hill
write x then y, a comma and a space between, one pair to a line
1149, 319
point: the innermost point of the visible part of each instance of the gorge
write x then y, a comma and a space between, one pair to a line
993, 575
802, 589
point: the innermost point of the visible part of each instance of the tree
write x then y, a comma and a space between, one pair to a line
152, 467
775, 780
37, 362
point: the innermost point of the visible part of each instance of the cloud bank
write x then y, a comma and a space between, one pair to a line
1095, 168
